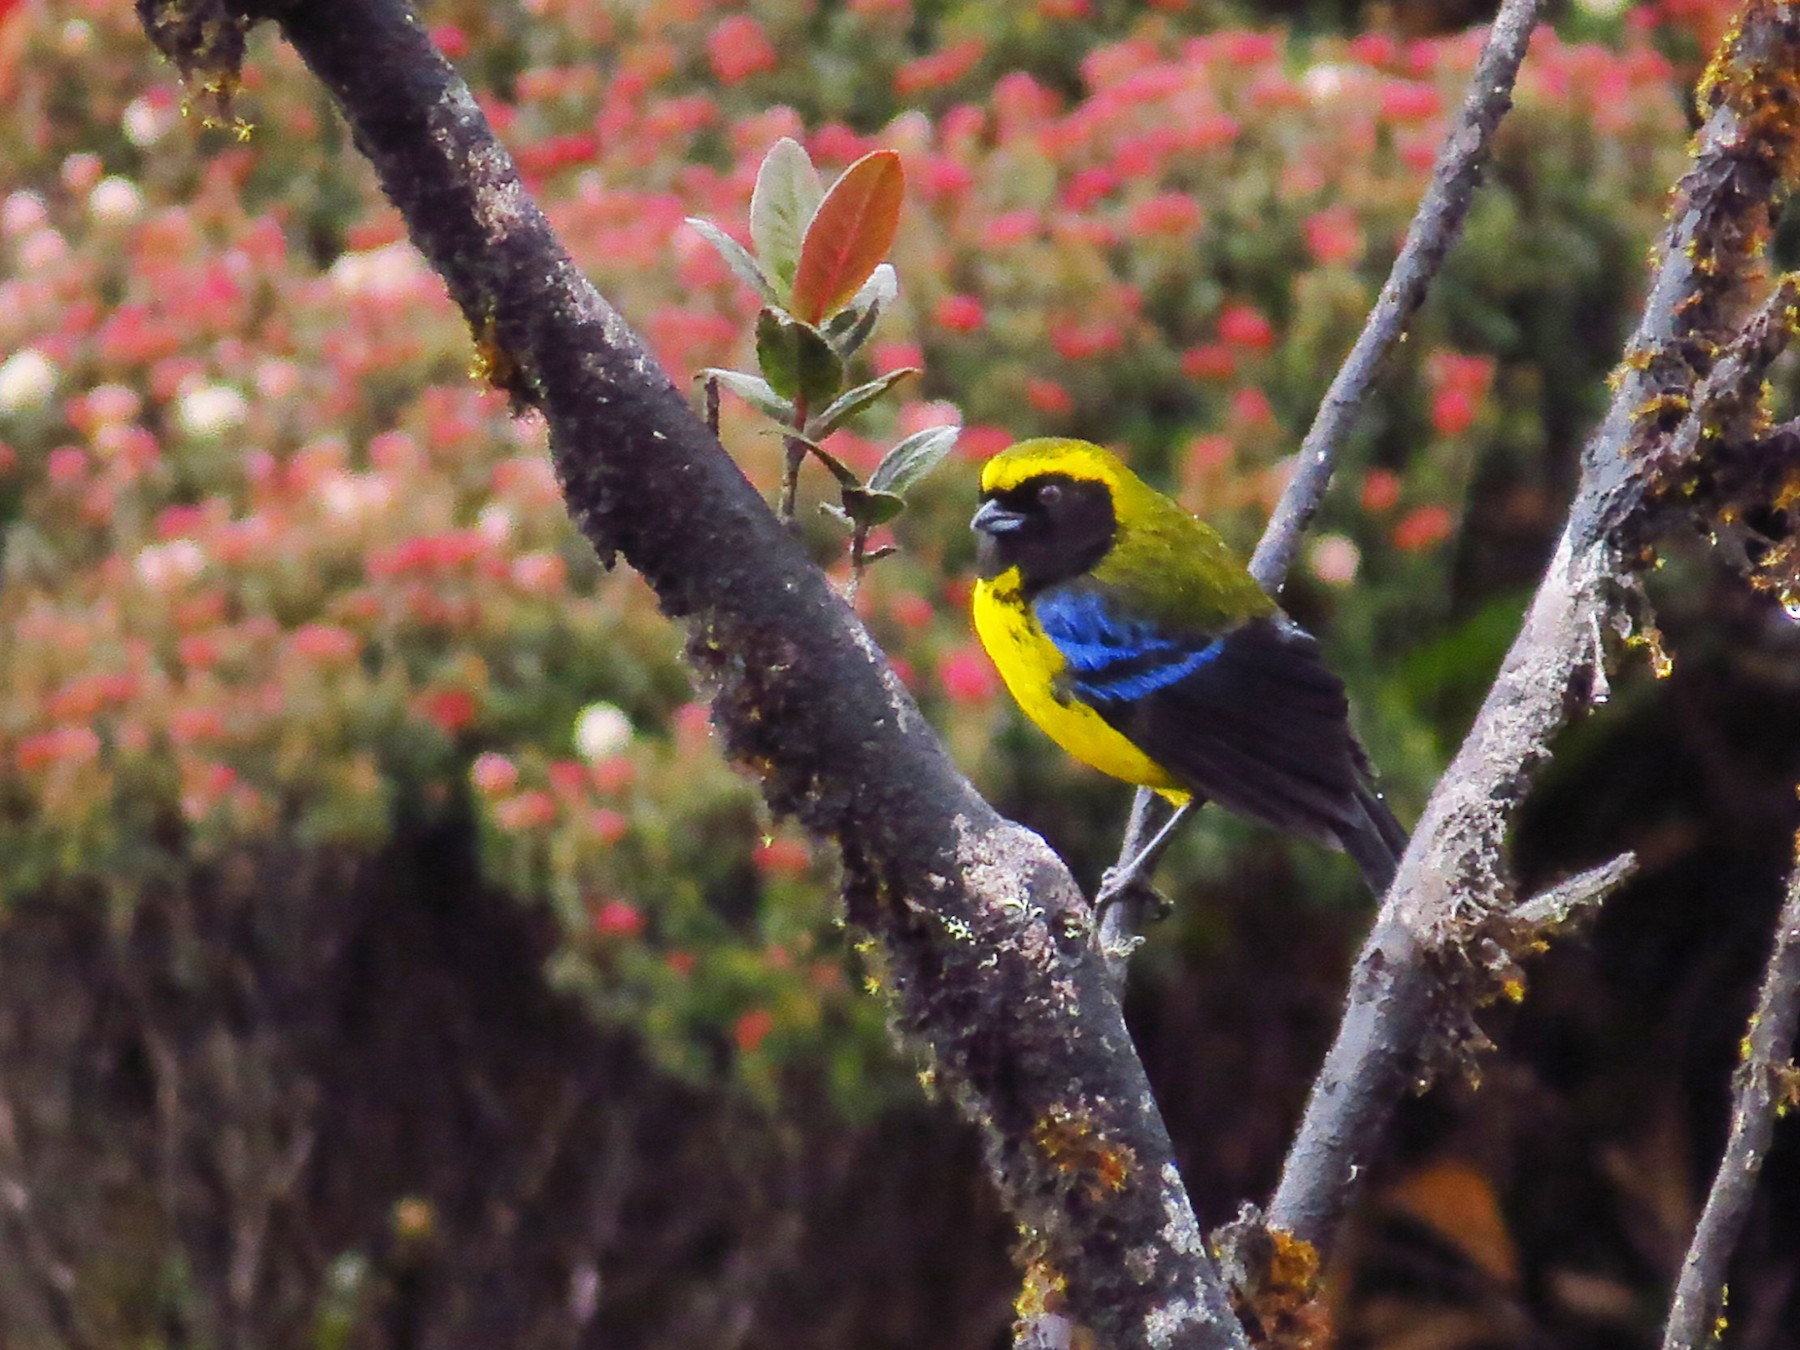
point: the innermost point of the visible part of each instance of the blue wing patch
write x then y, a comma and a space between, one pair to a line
1112, 659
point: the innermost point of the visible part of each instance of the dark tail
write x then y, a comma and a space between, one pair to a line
1374, 839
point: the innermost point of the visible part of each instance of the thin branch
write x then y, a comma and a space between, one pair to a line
986, 939
1764, 1088
1430, 958
1432, 233
1434, 230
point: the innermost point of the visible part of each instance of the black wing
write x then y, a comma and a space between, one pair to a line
1257, 723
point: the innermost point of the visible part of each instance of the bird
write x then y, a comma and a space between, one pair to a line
1131, 633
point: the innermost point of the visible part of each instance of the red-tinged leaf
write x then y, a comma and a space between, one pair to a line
850, 234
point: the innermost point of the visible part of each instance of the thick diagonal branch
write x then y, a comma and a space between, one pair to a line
1420, 973
985, 936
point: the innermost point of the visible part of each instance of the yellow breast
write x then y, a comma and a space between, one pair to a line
1029, 663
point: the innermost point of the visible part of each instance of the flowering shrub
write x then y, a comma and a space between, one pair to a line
275, 566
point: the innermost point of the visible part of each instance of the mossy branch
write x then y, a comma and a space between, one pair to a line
1433, 957
987, 941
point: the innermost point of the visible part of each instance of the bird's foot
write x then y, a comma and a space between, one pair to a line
1127, 885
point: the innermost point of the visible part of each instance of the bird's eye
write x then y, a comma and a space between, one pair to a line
1049, 494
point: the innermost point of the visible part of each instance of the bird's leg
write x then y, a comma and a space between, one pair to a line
1126, 900
1135, 861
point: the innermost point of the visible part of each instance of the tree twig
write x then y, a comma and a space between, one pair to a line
1433, 231
986, 939
1421, 971
1764, 1086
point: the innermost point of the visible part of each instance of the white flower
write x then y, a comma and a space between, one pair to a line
1324, 82
1335, 559
391, 272
145, 123
211, 410
353, 496
601, 730
27, 379
495, 523
115, 201
165, 565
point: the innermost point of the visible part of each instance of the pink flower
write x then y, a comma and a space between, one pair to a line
1250, 408
1169, 215
738, 48
968, 676
568, 777
939, 68
325, 643
533, 810
493, 774
960, 313
911, 610
1405, 102
1334, 236
607, 826
616, 919
1047, 396
891, 356
981, 442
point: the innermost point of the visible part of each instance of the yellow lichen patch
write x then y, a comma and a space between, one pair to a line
1073, 1144
1043, 1288
1281, 1304
492, 364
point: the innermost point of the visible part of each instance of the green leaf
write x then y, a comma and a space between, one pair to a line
736, 257
849, 234
870, 506
851, 402
782, 205
753, 390
795, 358
912, 459
851, 326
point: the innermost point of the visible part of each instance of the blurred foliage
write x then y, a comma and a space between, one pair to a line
280, 581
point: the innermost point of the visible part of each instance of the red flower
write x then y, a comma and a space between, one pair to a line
752, 1028
449, 709
1170, 215
960, 313
1381, 490
1246, 327
1208, 361
1047, 396
781, 858
1423, 528
1452, 411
